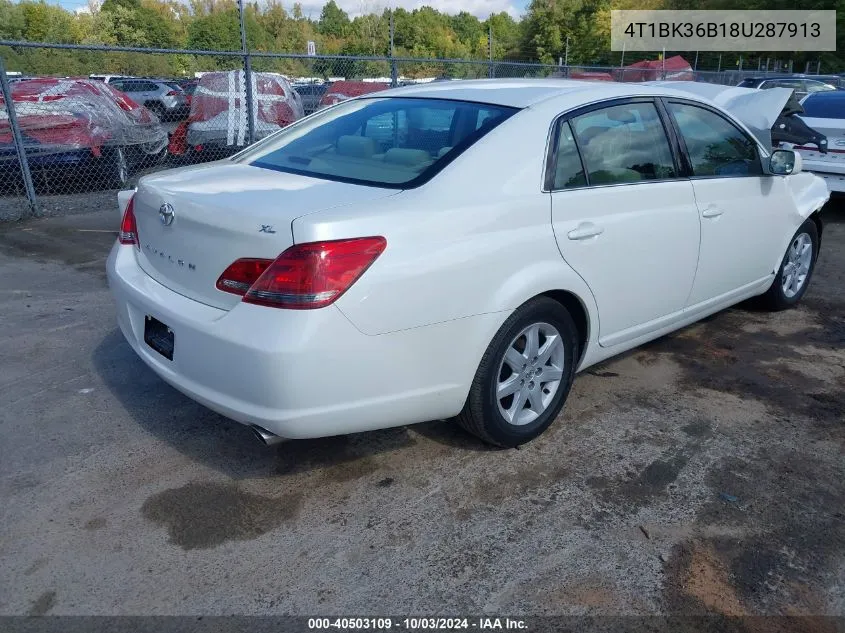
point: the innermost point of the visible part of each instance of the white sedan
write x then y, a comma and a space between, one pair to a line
455, 250
824, 112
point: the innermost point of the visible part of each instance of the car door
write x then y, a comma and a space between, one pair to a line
743, 212
624, 217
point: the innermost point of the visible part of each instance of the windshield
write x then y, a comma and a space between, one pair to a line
825, 106
385, 142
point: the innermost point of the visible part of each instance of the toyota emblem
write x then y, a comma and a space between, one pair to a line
166, 214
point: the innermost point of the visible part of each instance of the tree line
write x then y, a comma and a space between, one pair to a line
550, 30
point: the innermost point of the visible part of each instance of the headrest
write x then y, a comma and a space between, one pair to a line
410, 157
359, 146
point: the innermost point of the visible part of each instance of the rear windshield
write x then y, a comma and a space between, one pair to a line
384, 142
825, 106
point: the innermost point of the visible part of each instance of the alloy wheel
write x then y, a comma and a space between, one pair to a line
530, 373
799, 258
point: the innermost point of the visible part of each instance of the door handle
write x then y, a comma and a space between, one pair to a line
585, 231
711, 212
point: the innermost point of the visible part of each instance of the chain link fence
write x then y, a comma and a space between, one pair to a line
119, 119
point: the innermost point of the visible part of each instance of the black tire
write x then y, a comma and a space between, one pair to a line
481, 414
158, 110
777, 298
117, 168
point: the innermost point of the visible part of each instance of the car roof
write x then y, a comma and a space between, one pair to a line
522, 93
828, 94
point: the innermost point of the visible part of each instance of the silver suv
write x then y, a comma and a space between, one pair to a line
165, 98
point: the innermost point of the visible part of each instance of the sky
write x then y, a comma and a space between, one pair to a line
481, 8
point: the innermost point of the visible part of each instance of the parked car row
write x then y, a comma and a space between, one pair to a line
214, 121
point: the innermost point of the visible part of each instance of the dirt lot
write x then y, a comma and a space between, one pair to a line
703, 473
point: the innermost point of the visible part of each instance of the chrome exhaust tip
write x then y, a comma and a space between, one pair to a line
266, 438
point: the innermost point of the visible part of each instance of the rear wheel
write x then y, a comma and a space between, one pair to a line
524, 376
796, 269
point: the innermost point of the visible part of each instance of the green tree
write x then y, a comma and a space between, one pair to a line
333, 20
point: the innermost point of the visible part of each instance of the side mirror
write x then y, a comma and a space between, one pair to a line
785, 162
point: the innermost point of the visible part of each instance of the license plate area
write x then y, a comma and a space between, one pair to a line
159, 337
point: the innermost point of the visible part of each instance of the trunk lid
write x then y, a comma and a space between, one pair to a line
194, 222
834, 130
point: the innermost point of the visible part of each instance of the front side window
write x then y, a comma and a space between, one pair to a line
388, 142
624, 144
715, 146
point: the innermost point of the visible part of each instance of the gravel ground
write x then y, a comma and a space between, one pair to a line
702, 473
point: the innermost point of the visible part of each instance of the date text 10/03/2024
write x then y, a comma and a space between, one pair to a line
417, 624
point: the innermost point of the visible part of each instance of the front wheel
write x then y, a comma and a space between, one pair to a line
796, 269
524, 376
117, 168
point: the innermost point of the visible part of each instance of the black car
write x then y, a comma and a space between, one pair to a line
311, 95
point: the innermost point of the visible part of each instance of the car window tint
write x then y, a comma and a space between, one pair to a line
569, 172
624, 144
715, 146
387, 142
818, 86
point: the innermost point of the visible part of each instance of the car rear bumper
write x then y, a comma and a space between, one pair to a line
299, 373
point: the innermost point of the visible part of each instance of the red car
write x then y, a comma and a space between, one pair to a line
80, 124
218, 121
343, 90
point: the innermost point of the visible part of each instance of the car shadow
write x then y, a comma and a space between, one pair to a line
231, 448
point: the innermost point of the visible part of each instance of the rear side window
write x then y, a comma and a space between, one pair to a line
569, 172
825, 106
715, 146
624, 144
387, 142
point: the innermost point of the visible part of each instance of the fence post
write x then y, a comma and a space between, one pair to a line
16, 136
394, 69
491, 72
250, 115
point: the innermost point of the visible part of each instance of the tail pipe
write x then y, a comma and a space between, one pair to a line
266, 438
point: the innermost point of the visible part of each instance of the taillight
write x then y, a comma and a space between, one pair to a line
128, 227
305, 276
239, 277
172, 93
